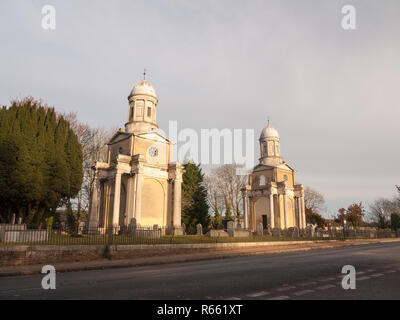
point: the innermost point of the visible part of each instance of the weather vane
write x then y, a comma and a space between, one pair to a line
144, 74
268, 120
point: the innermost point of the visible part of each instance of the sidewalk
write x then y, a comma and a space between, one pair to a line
221, 254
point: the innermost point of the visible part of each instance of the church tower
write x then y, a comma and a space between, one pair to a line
142, 109
272, 198
270, 148
138, 185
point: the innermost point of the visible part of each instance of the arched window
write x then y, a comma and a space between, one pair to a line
131, 114
262, 181
265, 151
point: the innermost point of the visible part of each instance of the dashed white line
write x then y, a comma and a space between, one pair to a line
279, 298
363, 278
304, 284
258, 294
390, 271
376, 275
303, 292
328, 286
233, 298
326, 279
285, 288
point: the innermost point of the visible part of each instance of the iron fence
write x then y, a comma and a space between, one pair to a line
12, 235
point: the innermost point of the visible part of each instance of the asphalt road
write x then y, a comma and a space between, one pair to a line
312, 274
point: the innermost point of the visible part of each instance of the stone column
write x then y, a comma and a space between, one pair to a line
246, 210
271, 210
303, 213
278, 198
138, 197
129, 199
117, 197
299, 219
94, 207
285, 211
177, 221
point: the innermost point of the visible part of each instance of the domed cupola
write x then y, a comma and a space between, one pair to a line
270, 146
144, 87
142, 108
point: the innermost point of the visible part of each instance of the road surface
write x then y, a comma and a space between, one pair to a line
312, 274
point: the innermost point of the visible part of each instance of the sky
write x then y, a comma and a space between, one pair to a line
332, 94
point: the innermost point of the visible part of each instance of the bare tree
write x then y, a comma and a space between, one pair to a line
214, 197
224, 188
313, 200
93, 142
380, 211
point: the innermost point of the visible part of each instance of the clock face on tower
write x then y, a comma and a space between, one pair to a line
153, 151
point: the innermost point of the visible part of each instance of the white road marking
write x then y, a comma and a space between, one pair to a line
360, 272
363, 278
328, 286
258, 294
390, 271
279, 298
303, 292
376, 275
370, 270
285, 289
326, 279
233, 298
307, 283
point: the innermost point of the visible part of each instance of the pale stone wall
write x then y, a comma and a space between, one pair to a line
154, 208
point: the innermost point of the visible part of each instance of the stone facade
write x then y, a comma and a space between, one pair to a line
138, 181
272, 196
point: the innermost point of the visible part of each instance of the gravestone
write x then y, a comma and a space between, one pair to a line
132, 224
230, 228
288, 232
310, 231
13, 219
295, 232
260, 229
276, 232
199, 229
20, 220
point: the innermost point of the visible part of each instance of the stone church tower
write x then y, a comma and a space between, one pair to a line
138, 181
272, 196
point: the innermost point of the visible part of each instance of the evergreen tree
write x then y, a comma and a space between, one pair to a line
40, 162
195, 207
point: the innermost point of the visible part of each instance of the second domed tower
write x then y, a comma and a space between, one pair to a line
142, 109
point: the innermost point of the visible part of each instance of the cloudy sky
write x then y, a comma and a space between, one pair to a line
332, 94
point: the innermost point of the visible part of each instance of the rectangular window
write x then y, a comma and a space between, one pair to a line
149, 112
139, 113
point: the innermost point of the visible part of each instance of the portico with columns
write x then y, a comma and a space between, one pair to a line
272, 196
138, 181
